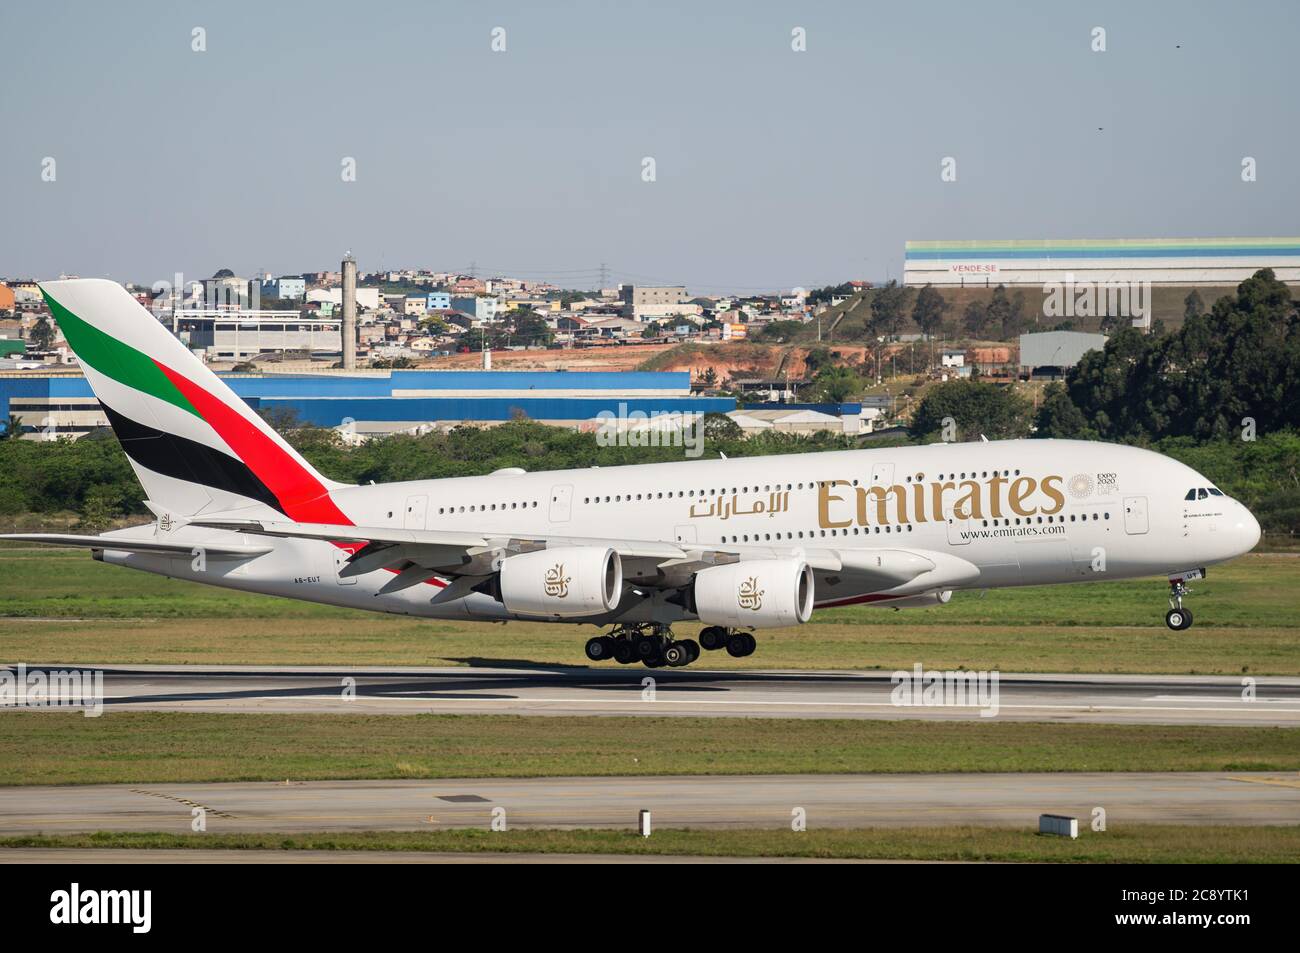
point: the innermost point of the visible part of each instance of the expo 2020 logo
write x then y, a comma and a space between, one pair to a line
1081, 486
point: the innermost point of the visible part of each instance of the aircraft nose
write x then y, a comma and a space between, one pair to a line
1247, 529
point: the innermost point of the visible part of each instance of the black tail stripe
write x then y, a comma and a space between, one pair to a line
184, 459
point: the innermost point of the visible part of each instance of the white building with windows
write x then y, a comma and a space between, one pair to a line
240, 335
1157, 261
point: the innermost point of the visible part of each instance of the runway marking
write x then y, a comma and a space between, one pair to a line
1217, 698
183, 800
1242, 707
1281, 782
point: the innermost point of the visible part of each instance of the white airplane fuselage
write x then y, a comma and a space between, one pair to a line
1022, 512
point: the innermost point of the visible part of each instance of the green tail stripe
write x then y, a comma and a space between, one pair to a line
114, 359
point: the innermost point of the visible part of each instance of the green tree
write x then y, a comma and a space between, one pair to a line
531, 328
1058, 417
888, 306
435, 324
836, 384
817, 358
1017, 319
718, 427
102, 505
1239, 362
929, 309
997, 316
975, 319
1193, 305
992, 410
42, 334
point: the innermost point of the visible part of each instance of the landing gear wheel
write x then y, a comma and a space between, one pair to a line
740, 644
677, 654
693, 648
654, 661
624, 652
647, 645
600, 648
1178, 618
713, 637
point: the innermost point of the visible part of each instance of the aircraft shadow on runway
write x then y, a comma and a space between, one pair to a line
526, 676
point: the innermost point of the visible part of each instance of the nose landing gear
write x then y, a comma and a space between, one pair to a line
1178, 618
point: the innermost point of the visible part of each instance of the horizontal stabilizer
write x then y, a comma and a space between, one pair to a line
127, 545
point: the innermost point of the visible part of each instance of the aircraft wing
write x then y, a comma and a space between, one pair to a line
131, 545
414, 554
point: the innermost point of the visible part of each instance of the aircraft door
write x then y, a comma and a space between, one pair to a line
341, 555
1135, 515
415, 512
561, 502
958, 530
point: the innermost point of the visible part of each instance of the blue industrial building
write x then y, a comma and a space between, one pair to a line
63, 404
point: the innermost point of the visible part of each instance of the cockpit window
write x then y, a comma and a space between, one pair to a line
1215, 492
1202, 493
1191, 495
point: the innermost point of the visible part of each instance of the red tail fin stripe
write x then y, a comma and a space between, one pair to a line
303, 497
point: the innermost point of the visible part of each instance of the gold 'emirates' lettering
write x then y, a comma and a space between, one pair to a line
970, 499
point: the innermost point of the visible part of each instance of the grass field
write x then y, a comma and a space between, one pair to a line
1141, 843
38, 747
60, 605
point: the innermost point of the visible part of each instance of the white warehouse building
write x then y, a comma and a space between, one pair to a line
1157, 261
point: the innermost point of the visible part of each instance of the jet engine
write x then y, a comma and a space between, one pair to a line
562, 583
756, 593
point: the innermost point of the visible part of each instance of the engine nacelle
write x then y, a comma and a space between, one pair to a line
923, 601
563, 583
756, 593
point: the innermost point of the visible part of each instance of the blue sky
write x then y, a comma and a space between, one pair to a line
774, 168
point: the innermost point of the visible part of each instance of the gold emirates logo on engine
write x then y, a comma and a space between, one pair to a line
556, 582
749, 596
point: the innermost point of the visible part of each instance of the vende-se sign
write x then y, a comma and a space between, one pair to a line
976, 268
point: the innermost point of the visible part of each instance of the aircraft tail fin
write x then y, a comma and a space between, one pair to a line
194, 444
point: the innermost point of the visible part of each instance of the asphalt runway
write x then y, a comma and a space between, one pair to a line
689, 692
762, 801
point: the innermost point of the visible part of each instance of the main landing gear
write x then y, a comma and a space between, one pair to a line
654, 646
1178, 618
737, 644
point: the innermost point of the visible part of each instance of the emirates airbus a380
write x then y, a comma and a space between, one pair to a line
739, 545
